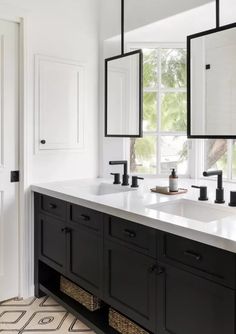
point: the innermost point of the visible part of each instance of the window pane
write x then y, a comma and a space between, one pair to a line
173, 112
216, 154
143, 155
149, 68
150, 111
174, 154
173, 67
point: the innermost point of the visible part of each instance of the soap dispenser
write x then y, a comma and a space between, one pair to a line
173, 181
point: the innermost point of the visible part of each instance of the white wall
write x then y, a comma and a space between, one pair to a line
64, 29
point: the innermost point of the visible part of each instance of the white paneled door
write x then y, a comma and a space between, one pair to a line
9, 105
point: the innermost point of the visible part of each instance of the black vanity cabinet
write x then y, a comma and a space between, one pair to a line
165, 283
85, 248
69, 239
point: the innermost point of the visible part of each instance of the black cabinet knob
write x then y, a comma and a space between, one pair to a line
43, 141
129, 233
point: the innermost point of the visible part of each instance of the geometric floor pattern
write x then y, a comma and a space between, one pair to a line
41, 316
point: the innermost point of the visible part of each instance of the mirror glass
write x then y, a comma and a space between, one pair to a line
123, 95
212, 83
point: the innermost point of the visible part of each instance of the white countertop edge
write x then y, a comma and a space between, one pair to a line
187, 232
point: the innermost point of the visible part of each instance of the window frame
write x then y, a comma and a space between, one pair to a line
196, 156
158, 133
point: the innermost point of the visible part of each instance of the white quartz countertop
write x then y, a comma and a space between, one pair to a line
134, 206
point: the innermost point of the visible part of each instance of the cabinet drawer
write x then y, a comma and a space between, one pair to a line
88, 217
208, 259
141, 237
53, 206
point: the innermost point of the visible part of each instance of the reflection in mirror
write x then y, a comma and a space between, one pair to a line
212, 83
123, 95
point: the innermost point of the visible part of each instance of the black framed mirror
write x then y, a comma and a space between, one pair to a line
124, 95
211, 82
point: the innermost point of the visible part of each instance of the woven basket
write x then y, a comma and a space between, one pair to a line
89, 301
123, 325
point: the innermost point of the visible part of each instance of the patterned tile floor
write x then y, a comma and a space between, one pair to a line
41, 316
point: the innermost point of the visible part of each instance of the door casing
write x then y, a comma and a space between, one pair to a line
25, 201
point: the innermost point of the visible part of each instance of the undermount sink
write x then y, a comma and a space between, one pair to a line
203, 212
107, 188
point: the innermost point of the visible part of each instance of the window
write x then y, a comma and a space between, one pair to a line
164, 145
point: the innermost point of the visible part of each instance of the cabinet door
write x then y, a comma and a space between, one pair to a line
52, 242
84, 258
190, 304
130, 284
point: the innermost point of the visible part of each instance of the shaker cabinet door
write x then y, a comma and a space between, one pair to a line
130, 284
84, 258
52, 242
190, 304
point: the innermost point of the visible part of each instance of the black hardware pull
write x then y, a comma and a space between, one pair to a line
129, 233
66, 230
193, 255
85, 218
52, 206
208, 66
43, 141
152, 269
160, 270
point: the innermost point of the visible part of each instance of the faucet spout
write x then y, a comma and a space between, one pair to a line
219, 189
125, 175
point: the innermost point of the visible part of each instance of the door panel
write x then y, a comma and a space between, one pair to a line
9, 103
130, 284
85, 258
190, 304
52, 244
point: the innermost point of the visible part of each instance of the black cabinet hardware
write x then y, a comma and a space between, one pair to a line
153, 269
85, 217
43, 141
52, 206
129, 233
160, 270
193, 255
66, 230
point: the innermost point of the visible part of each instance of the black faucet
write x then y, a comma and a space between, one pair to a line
219, 190
125, 176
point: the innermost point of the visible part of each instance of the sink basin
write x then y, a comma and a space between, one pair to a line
107, 188
203, 212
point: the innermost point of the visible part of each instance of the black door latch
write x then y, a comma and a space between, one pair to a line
15, 176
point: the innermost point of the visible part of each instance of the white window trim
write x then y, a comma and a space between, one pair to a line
194, 150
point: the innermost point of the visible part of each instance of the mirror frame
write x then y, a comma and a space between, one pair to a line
189, 39
140, 111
